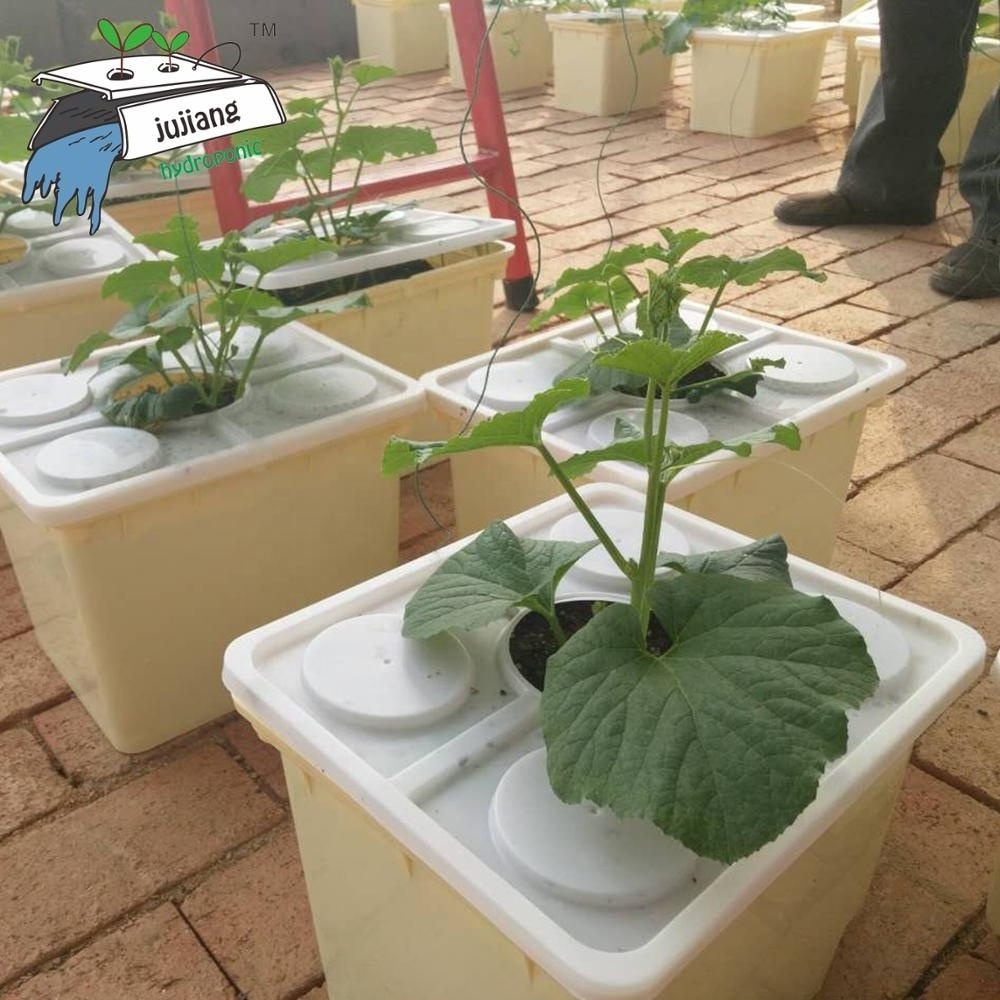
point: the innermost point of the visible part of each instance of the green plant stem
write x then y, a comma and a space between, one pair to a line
588, 515
712, 307
252, 356
192, 378
551, 618
656, 490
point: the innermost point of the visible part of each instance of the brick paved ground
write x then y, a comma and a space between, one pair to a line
174, 874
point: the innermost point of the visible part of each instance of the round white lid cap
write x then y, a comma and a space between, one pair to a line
320, 392
434, 228
31, 222
84, 255
278, 346
508, 383
364, 671
807, 369
681, 429
625, 529
98, 456
41, 399
581, 853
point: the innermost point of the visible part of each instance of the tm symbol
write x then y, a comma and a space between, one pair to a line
269, 30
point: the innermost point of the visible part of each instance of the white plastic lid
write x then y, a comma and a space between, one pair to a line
41, 399
433, 228
318, 392
887, 643
807, 369
625, 529
363, 670
278, 346
98, 456
84, 255
509, 383
681, 429
30, 222
582, 853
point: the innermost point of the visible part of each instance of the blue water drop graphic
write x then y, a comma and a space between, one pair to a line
77, 166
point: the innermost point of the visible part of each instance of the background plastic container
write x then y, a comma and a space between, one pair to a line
520, 43
593, 64
137, 569
857, 24
407, 35
52, 299
431, 319
799, 494
755, 83
412, 891
981, 80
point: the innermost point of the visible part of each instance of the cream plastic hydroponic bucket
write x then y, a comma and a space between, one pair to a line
981, 80
439, 866
52, 299
140, 557
592, 60
857, 24
520, 43
755, 83
825, 389
408, 35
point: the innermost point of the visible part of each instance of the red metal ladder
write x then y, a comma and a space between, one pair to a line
491, 161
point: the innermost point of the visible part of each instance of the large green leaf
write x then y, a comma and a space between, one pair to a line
15, 133
722, 739
303, 106
138, 282
764, 559
373, 143
711, 272
492, 574
178, 238
677, 456
521, 428
586, 297
319, 164
664, 364
84, 350
263, 182
366, 73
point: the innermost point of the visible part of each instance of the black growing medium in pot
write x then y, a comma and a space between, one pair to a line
531, 640
317, 291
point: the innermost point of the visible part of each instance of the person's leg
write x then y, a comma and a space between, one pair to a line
979, 175
893, 157
892, 168
972, 269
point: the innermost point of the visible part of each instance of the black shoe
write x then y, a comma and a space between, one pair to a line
830, 208
969, 271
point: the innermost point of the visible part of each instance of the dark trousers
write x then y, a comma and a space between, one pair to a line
893, 158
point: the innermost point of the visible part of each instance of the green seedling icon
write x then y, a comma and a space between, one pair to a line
175, 44
137, 36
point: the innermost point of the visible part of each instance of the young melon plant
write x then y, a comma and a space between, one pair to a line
192, 318
305, 150
712, 700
